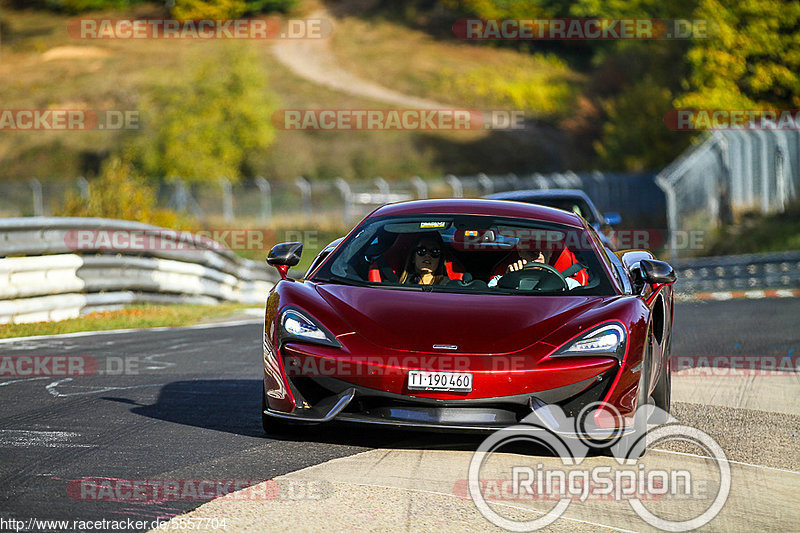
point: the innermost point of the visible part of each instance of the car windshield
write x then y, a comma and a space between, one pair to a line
466, 253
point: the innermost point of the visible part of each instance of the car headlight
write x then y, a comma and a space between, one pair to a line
608, 339
295, 325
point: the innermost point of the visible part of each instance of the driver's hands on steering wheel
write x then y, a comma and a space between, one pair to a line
520, 263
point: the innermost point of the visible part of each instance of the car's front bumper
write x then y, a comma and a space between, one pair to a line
323, 399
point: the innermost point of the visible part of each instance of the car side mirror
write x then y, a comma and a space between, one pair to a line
612, 219
285, 255
657, 272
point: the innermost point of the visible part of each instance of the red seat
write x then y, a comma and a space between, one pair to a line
453, 268
397, 253
565, 260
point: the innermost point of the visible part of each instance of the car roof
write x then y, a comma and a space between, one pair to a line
527, 194
532, 195
479, 206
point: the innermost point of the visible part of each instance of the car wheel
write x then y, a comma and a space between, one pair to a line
662, 393
662, 396
634, 444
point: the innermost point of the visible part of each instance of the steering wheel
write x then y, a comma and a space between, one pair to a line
547, 278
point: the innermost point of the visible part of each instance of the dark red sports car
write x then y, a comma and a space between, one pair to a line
466, 315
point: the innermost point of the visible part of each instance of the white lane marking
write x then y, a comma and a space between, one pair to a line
130, 330
722, 295
493, 503
160, 365
23, 438
730, 295
3, 384
755, 294
728, 460
51, 388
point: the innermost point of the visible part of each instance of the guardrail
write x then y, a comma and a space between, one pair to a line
780, 270
44, 275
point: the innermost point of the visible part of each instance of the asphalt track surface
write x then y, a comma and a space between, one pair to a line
187, 409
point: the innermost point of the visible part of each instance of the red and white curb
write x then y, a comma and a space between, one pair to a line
731, 295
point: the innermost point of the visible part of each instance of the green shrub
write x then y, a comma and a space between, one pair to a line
121, 194
209, 125
225, 9
545, 87
208, 9
79, 6
269, 6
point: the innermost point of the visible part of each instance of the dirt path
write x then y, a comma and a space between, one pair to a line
313, 60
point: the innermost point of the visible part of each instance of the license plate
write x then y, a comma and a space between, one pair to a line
440, 381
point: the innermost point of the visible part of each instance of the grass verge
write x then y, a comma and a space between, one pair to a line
755, 233
135, 316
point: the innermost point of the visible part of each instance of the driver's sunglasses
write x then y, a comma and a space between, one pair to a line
433, 252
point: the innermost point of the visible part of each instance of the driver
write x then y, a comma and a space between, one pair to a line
530, 256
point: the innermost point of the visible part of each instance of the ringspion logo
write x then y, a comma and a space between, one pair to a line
571, 439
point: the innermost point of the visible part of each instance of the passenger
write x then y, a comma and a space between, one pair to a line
425, 264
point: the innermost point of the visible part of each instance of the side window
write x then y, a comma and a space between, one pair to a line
618, 268
317, 261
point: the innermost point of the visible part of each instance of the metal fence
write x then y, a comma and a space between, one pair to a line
728, 173
779, 270
635, 196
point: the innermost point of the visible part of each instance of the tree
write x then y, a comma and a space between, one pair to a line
207, 127
634, 136
751, 59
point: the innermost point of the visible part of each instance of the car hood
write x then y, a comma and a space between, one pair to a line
478, 324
